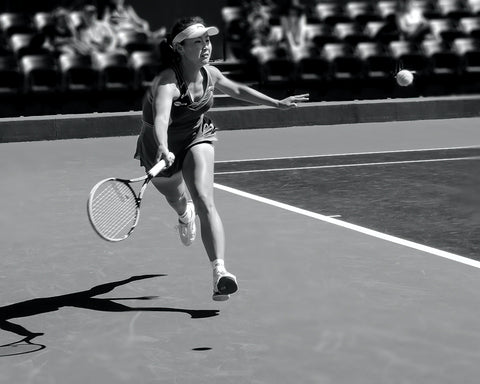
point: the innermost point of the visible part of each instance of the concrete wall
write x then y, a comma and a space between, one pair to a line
231, 118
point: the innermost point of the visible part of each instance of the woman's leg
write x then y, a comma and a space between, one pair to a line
176, 194
198, 175
174, 190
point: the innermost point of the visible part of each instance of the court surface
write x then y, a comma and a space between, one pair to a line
356, 248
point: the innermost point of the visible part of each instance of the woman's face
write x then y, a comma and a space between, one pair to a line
197, 50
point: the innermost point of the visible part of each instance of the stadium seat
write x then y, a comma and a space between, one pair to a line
11, 23
26, 44
277, 68
312, 67
361, 11
330, 13
409, 56
469, 51
470, 26
133, 41
377, 62
474, 7
388, 9
342, 62
114, 70
454, 9
44, 22
40, 73
350, 33
444, 29
77, 73
319, 34
427, 7
145, 66
382, 31
11, 79
443, 60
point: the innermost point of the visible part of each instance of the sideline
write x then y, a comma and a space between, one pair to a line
353, 227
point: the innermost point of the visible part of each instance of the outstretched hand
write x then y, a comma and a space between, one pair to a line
291, 101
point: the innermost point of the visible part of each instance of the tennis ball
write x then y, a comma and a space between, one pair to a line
404, 78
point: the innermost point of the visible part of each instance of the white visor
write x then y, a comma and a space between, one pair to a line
193, 31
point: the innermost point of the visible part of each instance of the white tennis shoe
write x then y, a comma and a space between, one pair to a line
224, 284
187, 230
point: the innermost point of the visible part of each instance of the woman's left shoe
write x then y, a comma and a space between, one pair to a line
188, 230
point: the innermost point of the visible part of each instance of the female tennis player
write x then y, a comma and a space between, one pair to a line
176, 130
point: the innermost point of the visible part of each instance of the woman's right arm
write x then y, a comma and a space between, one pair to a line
164, 96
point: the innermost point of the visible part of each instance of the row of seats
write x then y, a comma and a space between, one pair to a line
22, 43
45, 72
363, 21
102, 71
33, 57
363, 11
354, 32
361, 39
375, 60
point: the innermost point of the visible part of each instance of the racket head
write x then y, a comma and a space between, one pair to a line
113, 209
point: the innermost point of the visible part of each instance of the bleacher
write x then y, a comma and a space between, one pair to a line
355, 52
357, 47
39, 80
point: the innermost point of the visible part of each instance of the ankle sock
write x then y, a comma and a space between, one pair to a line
186, 217
219, 265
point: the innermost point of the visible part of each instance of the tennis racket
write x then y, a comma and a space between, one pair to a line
113, 206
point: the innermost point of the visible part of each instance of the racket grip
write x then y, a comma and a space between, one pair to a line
157, 168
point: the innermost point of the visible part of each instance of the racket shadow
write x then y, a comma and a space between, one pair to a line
85, 300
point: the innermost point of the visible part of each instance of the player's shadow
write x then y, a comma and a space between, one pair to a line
83, 299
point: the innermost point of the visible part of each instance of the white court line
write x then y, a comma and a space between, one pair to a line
349, 165
348, 154
353, 227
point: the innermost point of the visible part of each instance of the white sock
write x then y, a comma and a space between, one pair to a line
186, 217
218, 264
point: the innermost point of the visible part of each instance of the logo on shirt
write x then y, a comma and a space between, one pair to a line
179, 104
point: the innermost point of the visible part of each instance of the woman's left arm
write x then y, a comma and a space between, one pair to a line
245, 93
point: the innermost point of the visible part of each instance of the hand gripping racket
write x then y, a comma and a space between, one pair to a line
113, 206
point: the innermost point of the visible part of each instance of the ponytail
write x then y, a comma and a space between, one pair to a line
167, 53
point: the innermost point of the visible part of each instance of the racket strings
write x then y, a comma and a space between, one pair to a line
112, 215
114, 210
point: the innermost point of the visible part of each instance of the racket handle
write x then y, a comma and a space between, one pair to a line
157, 168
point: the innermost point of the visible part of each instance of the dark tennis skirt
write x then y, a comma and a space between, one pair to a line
179, 142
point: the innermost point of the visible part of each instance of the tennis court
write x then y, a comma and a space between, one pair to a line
356, 248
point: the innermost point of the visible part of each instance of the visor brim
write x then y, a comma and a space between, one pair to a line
196, 31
